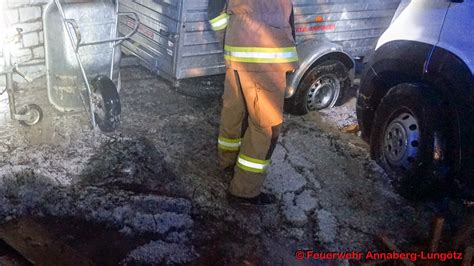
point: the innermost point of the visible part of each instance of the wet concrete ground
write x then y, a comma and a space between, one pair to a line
156, 182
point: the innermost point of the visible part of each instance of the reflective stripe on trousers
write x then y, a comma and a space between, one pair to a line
251, 164
229, 144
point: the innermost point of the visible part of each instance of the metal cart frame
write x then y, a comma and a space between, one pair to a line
74, 34
29, 114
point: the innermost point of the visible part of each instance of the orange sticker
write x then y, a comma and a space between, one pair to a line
319, 19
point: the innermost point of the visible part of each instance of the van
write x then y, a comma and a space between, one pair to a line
415, 105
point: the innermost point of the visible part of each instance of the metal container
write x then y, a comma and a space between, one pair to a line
176, 41
94, 21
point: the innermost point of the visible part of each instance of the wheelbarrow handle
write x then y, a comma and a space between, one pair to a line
135, 26
16, 69
117, 41
77, 32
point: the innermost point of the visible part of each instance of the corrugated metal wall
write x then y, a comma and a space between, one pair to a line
176, 41
155, 42
200, 54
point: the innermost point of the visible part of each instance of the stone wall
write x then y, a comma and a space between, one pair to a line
29, 51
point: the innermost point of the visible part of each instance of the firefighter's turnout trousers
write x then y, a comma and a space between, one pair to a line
259, 49
251, 119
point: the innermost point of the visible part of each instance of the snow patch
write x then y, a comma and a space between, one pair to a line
306, 201
159, 252
293, 214
327, 226
283, 178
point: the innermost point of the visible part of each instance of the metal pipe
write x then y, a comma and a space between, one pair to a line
11, 95
114, 35
79, 61
9, 80
117, 41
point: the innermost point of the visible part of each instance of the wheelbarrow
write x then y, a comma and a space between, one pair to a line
83, 58
29, 114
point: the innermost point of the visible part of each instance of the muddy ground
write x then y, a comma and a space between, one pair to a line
151, 193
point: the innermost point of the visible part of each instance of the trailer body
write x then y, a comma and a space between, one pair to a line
176, 41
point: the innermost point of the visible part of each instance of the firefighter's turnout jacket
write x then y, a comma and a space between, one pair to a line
259, 34
259, 49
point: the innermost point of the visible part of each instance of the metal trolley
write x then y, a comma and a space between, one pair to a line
29, 114
82, 58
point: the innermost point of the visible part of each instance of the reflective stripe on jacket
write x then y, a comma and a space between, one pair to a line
259, 34
219, 22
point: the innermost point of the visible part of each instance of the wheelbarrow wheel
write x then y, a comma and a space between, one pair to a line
106, 102
34, 113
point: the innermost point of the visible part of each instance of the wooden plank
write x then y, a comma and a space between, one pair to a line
9, 256
392, 247
37, 245
9, 261
438, 225
468, 256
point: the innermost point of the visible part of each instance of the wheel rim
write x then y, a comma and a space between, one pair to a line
34, 117
323, 92
401, 140
33, 113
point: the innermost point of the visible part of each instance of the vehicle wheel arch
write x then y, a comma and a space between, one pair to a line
445, 73
393, 63
380, 86
312, 53
387, 80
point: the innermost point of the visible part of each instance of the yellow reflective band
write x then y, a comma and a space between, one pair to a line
230, 140
260, 55
261, 60
220, 22
251, 164
259, 49
229, 144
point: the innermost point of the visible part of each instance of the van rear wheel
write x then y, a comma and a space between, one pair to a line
322, 87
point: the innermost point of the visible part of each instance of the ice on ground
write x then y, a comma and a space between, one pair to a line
306, 201
25, 191
283, 178
327, 226
294, 214
159, 253
341, 116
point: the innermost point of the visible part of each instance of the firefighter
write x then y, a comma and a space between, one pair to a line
259, 50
